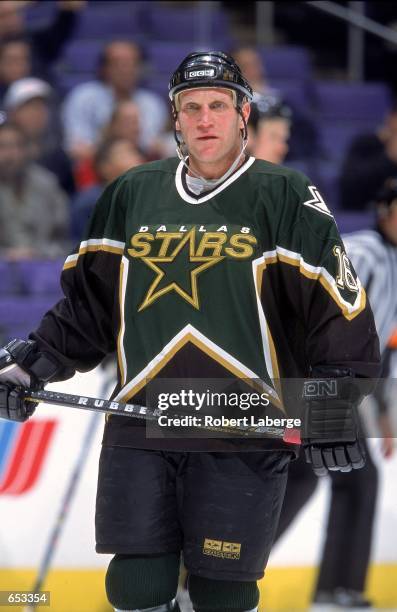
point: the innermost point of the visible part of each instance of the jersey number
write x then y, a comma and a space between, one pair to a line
345, 277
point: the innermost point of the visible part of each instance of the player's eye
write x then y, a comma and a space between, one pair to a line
191, 107
218, 106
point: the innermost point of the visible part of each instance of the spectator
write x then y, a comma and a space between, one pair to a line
124, 123
371, 159
269, 130
11, 18
15, 62
89, 106
33, 209
252, 67
28, 104
304, 141
46, 42
113, 157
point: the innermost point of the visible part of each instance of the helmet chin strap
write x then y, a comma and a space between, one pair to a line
213, 182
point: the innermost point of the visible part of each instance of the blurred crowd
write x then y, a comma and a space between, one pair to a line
57, 151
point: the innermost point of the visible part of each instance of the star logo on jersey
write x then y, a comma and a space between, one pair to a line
179, 272
317, 201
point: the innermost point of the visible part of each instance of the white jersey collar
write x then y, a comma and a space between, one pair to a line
207, 196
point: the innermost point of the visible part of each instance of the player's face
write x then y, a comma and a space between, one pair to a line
210, 127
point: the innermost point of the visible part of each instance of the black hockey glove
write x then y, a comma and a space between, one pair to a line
12, 404
331, 427
22, 365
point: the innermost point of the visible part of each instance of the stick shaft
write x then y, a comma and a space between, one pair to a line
92, 403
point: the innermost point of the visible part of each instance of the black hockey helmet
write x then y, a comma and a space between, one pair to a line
209, 69
268, 106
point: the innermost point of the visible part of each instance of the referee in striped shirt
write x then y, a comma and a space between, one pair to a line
347, 547
374, 257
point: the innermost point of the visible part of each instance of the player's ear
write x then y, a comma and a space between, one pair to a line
246, 110
177, 125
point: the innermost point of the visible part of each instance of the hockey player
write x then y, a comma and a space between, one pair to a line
213, 266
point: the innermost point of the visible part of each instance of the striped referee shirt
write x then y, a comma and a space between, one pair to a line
375, 261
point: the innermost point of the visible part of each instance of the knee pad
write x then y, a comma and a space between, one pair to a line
139, 582
222, 595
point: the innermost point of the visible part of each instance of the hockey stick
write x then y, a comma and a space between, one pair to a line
92, 403
68, 497
141, 412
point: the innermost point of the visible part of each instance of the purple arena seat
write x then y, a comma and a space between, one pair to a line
355, 101
286, 62
40, 13
327, 180
19, 315
300, 165
8, 283
30, 278
41, 277
158, 84
108, 21
164, 57
294, 92
354, 221
98, 19
188, 25
81, 56
337, 136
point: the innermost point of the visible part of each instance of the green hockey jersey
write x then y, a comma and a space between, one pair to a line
250, 281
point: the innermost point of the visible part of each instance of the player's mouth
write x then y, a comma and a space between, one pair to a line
205, 138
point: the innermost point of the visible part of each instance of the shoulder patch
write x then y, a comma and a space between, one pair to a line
317, 201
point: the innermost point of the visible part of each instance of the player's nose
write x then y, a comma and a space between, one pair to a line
205, 117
